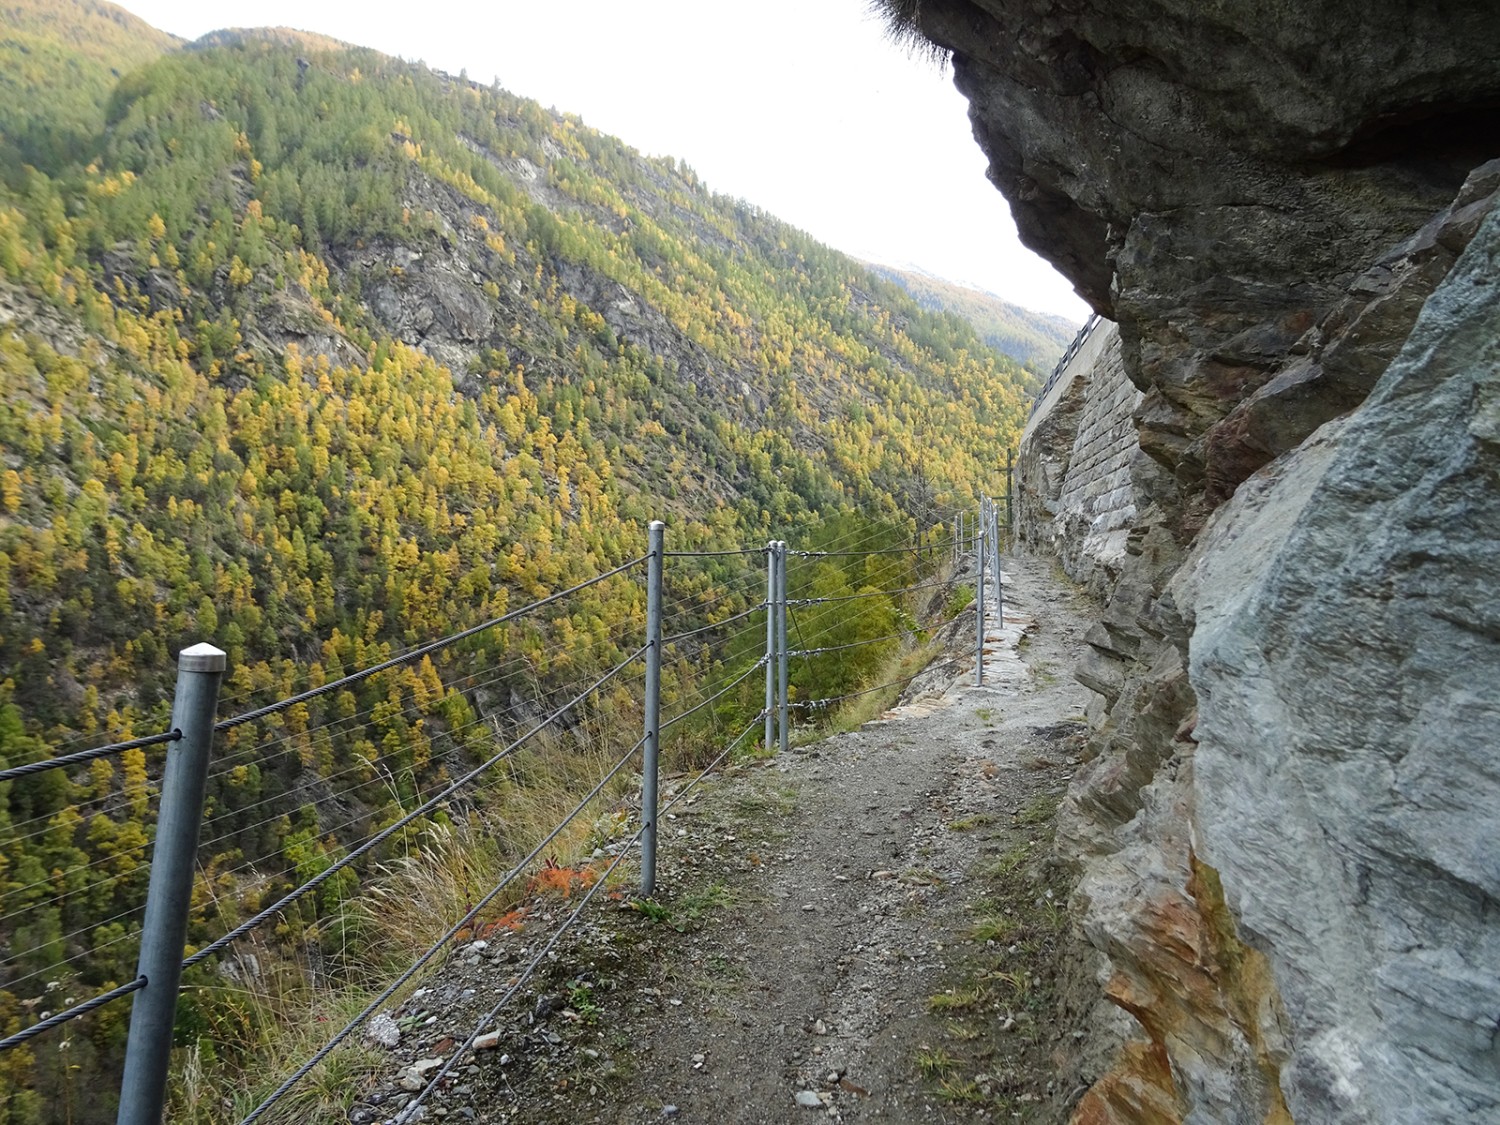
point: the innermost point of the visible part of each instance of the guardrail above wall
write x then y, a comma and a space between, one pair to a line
1067, 357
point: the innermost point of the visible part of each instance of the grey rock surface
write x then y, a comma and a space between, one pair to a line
1346, 659
1264, 198
1212, 177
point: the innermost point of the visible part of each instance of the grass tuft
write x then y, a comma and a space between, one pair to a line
1039, 811
955, 999
995, 927
969, 823
935, 1063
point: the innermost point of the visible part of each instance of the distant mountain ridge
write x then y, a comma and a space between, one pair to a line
277, 36
1036, 339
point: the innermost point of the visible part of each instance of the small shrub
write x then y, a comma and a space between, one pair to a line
958, 601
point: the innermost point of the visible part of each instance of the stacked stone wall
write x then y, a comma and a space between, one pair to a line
1074, 471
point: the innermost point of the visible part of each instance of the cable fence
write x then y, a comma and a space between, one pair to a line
852, 644
432, 950
66, 760
346, 774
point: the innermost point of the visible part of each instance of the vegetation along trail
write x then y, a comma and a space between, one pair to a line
868, 928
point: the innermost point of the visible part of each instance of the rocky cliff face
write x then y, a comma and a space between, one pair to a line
1282, 829
1348, 680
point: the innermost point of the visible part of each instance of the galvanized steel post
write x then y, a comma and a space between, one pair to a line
1010, 488
770, 646
994, 526
781, 645
164, 929
999, 574
979, 611
656, 550
989, 546
984, 523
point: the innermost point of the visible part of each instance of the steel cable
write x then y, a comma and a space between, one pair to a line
714, 554
688, 788
398, 659
716, 625
910, 550
416, 653
525, 975
14, 958
462, 1049
866, 594
368, 841
824, 704
839, 648
741, 678
71, 1013
473, 913
88, 755
410, 710
325, 732
426, 806
362, 764
247, 865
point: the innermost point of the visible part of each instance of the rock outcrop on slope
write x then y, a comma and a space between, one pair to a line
1283, 830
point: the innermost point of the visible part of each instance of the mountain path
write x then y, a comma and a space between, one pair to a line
867, 928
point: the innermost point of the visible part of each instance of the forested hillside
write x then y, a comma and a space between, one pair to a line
1035, 339
317, 355
59, 60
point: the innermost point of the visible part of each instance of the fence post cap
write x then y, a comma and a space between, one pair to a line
201, 657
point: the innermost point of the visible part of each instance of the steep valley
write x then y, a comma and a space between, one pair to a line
320, 355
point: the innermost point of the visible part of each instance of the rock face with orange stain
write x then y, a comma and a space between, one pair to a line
1348, 677
1284, 826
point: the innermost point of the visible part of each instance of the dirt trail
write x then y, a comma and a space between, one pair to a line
866, 928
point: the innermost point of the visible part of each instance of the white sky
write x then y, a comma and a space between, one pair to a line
801, 107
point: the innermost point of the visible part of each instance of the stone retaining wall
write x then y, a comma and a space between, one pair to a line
1073, 490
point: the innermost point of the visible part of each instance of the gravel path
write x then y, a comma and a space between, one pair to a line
867, 928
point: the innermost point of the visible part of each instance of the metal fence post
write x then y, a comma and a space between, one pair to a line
770, 645
995, 542
989, 546
999, 578
1010, 489
656, 538
782, 646
979, 611
984, 522
164, 929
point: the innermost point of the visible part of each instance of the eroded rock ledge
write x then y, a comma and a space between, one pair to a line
1285, 830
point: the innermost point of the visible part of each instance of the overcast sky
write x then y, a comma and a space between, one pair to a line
801, 107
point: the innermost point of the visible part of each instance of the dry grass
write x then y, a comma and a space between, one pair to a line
281, 1017
419, 896
897, 671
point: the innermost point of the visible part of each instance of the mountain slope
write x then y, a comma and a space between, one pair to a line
59, 59
1035, 339
319, 355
